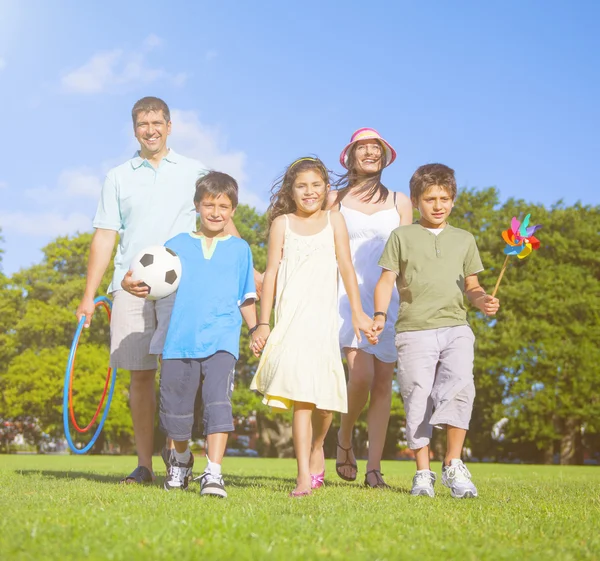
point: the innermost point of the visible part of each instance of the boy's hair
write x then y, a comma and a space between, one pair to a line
371, 189
147, 104
282, 201
429, 175
216, 183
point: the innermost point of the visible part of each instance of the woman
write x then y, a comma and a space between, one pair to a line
371, 212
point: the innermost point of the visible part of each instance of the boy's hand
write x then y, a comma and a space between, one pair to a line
259, 339
378, 323
489, 305
136, 287
362, 322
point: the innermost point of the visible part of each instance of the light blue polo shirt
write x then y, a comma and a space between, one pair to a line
147, 206
215, 282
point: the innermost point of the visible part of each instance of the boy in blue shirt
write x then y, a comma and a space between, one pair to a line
202, 343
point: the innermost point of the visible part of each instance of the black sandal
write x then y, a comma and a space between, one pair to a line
140, 474
381, 484
338, 465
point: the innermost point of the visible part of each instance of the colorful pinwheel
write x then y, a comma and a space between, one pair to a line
519, 238
520, 241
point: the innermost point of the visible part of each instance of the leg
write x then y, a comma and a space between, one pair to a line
361, 371
142, 400
321, 421
455, 441
302, 434
217, 443
422, 458
379, 413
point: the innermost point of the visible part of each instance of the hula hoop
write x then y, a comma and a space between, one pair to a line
68, 389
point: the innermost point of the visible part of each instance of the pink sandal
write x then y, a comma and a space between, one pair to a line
298, 494
317, 481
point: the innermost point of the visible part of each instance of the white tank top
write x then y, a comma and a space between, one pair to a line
368, 236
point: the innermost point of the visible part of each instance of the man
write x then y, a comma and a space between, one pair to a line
146, 201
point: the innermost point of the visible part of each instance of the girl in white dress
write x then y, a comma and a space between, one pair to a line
301, 366
371, 212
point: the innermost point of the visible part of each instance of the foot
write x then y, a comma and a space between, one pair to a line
457, 477
302, 489
345, 465
139, 475
178, 474
374, 479
212, 485
423, 483
317, 468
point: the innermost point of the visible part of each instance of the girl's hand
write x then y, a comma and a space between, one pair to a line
362, 322
259, 339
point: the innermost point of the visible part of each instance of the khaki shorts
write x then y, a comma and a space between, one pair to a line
138, 329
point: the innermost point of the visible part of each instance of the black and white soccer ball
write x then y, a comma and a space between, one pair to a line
159, 268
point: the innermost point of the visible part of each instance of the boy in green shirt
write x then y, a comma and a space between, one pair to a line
433, 264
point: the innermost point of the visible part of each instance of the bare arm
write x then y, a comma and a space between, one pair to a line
274, 253
103, 242
360, 320
332, 202
404, 208
248, 311
231, 229
383, 296
478, 297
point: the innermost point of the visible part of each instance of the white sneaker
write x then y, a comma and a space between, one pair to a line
212, 485
423, 483
457, 477
178, 475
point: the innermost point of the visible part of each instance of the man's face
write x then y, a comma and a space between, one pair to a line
151, 130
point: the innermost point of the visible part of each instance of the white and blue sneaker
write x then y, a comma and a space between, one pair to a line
457, 478
423, 482
212, 485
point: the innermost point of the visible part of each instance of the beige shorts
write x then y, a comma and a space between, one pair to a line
138, 329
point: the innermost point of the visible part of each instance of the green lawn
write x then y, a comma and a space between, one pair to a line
62, 507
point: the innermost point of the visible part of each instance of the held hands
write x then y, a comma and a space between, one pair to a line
488, 304
377, 325
362, 322
136, 287
259, 338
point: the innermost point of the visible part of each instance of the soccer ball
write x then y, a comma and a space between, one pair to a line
160, 270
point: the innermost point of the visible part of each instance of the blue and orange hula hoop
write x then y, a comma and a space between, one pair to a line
107, 394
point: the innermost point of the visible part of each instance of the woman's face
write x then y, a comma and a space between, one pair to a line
369, 157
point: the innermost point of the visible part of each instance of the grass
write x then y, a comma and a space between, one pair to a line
65, 507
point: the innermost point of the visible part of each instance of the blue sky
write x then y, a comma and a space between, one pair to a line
504, 92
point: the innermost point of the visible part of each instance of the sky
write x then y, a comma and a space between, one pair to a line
505, 92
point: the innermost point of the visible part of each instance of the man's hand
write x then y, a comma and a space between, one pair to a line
136, 287
86, 309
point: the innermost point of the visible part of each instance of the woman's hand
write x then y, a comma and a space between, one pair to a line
362, 322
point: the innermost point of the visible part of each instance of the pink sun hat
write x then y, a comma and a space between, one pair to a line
368, 134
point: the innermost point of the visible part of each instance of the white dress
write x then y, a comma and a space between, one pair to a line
368, 236
301, 360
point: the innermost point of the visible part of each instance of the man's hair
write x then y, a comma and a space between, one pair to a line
429, 175
216, 183
147, 104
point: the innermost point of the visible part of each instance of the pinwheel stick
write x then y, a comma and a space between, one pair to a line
500, 277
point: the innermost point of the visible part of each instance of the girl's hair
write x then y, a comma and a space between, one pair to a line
372, 187
282, 200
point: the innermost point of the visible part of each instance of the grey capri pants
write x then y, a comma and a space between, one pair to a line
435, 374
183, 381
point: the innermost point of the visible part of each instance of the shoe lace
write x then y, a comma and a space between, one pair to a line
424, 478
458, 472
178, 473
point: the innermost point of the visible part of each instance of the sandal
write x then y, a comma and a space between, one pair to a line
317, 480
338, 465
299, 494
140, 474
381, 484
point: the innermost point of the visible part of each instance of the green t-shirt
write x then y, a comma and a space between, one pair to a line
431, 273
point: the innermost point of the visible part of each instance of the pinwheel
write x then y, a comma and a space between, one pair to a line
520, 241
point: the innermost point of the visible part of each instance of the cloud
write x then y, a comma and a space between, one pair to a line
3, 185
2, 63
116, 70
80, 183
47, 224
